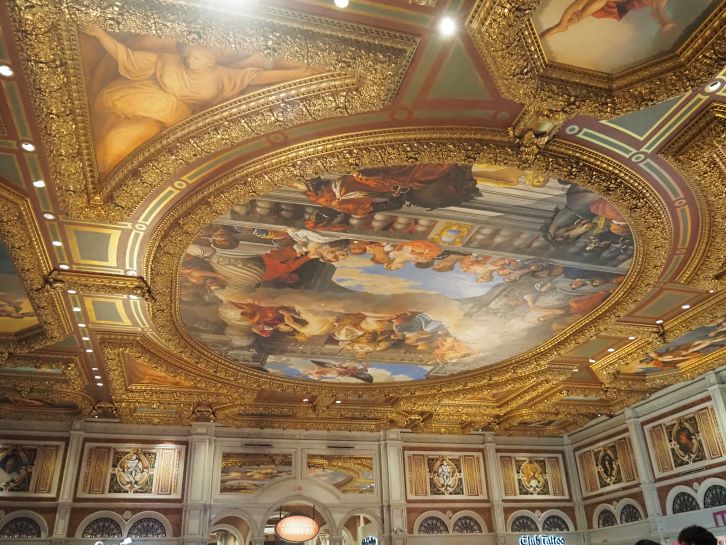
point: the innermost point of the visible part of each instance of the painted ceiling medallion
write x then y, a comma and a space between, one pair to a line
401, 273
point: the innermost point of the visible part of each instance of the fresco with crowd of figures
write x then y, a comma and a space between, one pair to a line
614, 35
364, 278
16, 312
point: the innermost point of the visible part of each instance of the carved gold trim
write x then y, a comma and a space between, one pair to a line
699, 156
21, 235
506, 38
632, 195
363, 68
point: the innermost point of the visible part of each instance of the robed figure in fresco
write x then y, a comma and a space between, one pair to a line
158, 89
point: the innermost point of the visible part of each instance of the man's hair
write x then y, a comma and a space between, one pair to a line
646, 542
696, 535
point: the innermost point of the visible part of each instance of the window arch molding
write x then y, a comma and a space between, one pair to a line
426, 514
557, 513
599, 509
704, 486
149, 515
99, 515
523, 513
471, 514
32, 515
679, 489
249, 520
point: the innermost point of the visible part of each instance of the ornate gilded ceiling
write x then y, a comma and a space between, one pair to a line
282, 214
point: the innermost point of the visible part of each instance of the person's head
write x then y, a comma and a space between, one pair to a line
646, 542
215, 284
696, 535
395, 265
578, 283
199, 59
683, 436
223, 238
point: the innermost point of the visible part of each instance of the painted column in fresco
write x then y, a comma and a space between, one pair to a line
199, 482
495, 486
645, 471
576, 489
68, 481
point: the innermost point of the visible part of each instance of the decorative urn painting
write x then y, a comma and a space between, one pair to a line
362, 277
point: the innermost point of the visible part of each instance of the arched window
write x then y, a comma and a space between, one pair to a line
606, 518
103, 527
433, 525
684, 502
554, 523
630, 513
467, 525
146, 528
20, 528
715, 495
523, 523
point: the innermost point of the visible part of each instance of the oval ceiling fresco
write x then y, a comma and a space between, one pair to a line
401, 273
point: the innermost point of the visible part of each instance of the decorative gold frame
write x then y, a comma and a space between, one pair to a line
46, 29
506, 38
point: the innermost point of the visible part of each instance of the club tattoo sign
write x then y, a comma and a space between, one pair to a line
297, 529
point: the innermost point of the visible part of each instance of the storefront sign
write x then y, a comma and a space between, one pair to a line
297, 529
541, 540
370, 540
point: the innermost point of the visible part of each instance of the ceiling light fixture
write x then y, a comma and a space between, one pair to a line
685, 307
85, 338
341, 3
39, 183
99, 384
49, 216
611, 350
97, 377
94, 368
592, 360
631, 338
89, 350
338, 402
133, 297
28, 146
76, 309
305, 400
711, 291
64, 266
659, 322
6, 71
131, 272
447, 26
71, 292
57, 243
81, 324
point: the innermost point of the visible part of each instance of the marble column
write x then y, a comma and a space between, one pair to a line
195, 522
68, 481
393, 479
494, 486
576, 488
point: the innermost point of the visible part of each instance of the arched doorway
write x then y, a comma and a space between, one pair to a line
296, 508
360, 528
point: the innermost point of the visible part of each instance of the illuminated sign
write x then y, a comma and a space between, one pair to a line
541, 540
370, 540
297, 529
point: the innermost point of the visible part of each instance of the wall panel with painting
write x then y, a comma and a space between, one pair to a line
30, 468
123, 470
445, 475
607, 466
532, 475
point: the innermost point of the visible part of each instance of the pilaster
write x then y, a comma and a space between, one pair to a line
199, 484
576, 491
68, 480
494, 485
395, 527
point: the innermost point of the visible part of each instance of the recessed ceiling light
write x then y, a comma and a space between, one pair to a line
71, 292
341, 3
86, 338
97, 377
631, 338
49, 216
81, 324
134, 297
575, 369
64, 266
338, 402
131, 272
305, 400
99, 384
94, 368
713, 86
89, 350
6, 71
57, 243
659, 322
592, 360
447, 26
76, 309
28, 146
711, 291
611, 350
39, 183
685, 307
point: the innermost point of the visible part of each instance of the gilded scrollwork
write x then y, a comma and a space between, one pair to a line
19, 232
507, 39
363, 67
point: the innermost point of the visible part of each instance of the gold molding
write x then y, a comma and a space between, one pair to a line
363, 69
506, 38
21, 235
